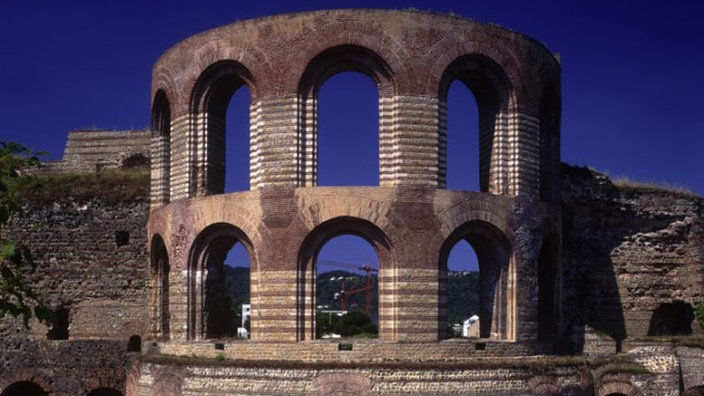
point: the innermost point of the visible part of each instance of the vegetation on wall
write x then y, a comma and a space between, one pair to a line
17, 297
699, 313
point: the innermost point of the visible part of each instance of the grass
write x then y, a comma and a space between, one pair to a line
626, 183
108, 186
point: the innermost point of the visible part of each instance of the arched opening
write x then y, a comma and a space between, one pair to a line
237, 142
60, 326
671, 319
211, 98
493, 258
355, 232
161, 149
462, 162
215, 288
104, 392
348, 131
462, 291
550, 145
346, 58
489, 87
548, 283
347, 288
160, 288
24, 388
237, 271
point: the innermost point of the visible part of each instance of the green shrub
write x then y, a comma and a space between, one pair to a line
699, 313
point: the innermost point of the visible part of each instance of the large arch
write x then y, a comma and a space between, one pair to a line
494, 255
208, 314
209, 101
326, 64
24, 388
160, 269
306, 282
550, 114
161, 149
549, 281
491, 88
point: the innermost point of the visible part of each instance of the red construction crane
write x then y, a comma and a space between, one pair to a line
367, 288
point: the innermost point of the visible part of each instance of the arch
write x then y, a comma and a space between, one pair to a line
24, 388
306, 282
549, 270
160, 268
491, 89
671, 318
209, 316
209, 101
326, 64
493, 252
550, 144
617, 388
104, 392
161, 149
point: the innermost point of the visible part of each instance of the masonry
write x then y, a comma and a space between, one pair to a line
569, 262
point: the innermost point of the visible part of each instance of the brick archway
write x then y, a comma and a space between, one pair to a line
209, 315
618, 388
364, 229
26, 380
342, 384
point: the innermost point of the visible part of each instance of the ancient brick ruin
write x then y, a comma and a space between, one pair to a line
569, 263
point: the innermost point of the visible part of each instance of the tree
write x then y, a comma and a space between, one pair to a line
17, 298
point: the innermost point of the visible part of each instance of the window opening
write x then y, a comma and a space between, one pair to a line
462, 292
122, 238
462, 139
59, 328
237, 142
348, 131
347, 289
134, 344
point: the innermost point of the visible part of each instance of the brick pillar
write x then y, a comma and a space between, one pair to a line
276, 151
410, 150
524, 154
160, 175
180, 164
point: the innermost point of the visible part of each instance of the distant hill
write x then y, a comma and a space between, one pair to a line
463, 297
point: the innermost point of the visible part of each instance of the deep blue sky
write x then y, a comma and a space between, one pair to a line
633, 75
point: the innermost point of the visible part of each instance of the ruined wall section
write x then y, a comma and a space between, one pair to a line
634, 257
96, 150
91, 262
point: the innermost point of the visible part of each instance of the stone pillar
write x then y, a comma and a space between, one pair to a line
409, 152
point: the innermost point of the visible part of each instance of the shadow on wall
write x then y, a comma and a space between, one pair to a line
594, 223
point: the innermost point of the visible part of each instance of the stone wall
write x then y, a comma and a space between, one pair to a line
509, 379
96, 150
92, 265
633, 257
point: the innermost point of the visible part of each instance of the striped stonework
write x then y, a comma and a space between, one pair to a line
410, 219
414, 142
180, 169
276, 143
524, 155
160, 170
